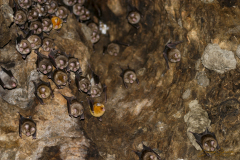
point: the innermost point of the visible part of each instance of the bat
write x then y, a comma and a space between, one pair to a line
43, 90
25, 4
62, 12
52, 7
20, 17
48, 44
96, 87
44, 65
60, 78
83, 83
207, 141
69, 2
36, 27
96, 109
27, 126
113, 48
7, 80
32, 14
134, 16
167, 48
23, 46
73, 65
147, 153
47, 25
42, 10
129, 76
75, 108
35, 41
58, 59
57, 23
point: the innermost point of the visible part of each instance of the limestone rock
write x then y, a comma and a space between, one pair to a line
214, 58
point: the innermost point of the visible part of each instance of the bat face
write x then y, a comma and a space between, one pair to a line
52, 7
41, 1
209, 144
61, 61
42, 10
32, 15
98, 109
62, 12
78, 9
73, 64
28, 128
150, 156
85, 15
113, 49
76, 109
84, 84
45, 66
147, 154
57, 22
25, 4
69, 2
129, 76
36, 27
96, 90
93, 27
7, 81
20, 17
174, 55
207, 141
48, 44
43, 91
60, 78
47, 25
35, 41
81, 2
134, 17
24, 47
95, 37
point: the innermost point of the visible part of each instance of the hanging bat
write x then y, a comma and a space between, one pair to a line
7, 80
69, 2
134, 16
113, 48
62, 12
96, 109
57, 23
44, 65
43, 90
42, 10
36, 27
58, 59
75, 108
82, 14
167, 48
23, 46
83, 83
48, 44
52, 6
20, 17
96, 87
35, 41
147, 154
25, 4
60, 78
207, 141
129, 76
73, 65
47, 25
32, 14
27, 126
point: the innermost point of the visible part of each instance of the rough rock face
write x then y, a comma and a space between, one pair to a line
155, 110
219, 60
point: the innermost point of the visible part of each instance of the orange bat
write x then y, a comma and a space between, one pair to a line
57, 22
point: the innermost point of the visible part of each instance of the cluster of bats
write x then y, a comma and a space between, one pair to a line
34, 17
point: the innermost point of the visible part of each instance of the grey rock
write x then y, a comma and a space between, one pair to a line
217, 59
202, 79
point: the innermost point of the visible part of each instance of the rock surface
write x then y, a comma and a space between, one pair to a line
219, 60
158, 111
